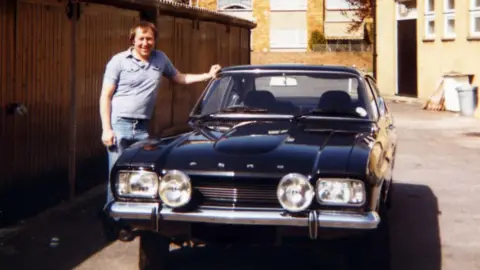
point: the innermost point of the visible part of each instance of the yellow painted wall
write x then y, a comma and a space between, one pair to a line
438, 56
386, 49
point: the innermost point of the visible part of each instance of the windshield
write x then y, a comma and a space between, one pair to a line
285, 93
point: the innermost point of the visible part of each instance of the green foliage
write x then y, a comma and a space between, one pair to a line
316, 37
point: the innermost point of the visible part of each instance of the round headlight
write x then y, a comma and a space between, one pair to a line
295, 193
175, 189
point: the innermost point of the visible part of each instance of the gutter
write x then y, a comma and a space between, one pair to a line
178, 10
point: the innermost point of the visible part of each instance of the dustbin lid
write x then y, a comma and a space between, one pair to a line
464, 87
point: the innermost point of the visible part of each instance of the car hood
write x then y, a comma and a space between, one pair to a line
258, 147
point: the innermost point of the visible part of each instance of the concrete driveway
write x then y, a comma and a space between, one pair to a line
434, 219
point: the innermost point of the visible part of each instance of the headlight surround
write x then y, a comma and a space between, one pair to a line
175, 189
139, 183
346, 192
295, 193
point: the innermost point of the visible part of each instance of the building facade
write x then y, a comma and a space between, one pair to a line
287, 25
421, 42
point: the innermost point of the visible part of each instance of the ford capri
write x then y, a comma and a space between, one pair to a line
273, 155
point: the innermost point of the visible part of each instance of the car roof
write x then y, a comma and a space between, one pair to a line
295, 67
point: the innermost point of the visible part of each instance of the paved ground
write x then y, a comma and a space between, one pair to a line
434, 220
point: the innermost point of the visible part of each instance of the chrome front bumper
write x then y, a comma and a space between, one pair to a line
316, 219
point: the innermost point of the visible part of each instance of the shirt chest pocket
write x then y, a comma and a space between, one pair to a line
131, 75
155, 73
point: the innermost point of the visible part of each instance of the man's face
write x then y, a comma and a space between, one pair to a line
144, 41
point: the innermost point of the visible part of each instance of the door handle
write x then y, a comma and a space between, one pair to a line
16, 109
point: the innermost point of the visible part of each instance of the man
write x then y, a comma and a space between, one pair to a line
129, 91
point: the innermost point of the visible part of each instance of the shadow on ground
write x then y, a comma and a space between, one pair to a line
415, 242
56, 241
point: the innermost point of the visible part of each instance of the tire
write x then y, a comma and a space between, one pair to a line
153, 251
388, 200
372, 250
110, 231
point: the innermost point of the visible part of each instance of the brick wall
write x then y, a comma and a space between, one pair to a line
209, 4
261, 34
360, 60
315, 16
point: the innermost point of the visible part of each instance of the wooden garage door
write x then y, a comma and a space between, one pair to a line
7, 43
38, 141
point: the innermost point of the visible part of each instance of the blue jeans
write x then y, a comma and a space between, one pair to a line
127, 131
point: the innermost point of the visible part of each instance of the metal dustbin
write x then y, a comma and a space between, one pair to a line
467, 99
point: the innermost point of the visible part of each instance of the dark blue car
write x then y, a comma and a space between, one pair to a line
274, 153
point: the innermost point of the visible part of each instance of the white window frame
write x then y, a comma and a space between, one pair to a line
473, 7
287, 5
448, 14
445, 6
427, 6
473, 15
427, 20
235, 3
446, 18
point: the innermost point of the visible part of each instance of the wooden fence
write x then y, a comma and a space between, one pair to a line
52, 58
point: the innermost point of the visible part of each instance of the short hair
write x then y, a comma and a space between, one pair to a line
143, 25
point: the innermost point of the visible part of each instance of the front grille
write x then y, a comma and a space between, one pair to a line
234, 192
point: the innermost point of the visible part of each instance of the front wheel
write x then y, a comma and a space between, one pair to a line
153, 251
372, 250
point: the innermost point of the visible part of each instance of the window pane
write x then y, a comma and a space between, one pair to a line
451, 26
288, 38
476, 25
431, 27
234, 3
338, 4
431, 5
477, 3
451, 4
287, 4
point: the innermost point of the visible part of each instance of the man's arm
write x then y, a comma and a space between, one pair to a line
110, 80
190, 78
105, 105
175, 75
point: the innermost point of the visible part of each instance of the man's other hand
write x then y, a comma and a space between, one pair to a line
108, 137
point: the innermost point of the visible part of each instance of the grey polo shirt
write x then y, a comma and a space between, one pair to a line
137, 83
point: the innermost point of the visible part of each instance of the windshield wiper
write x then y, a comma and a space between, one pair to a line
243, 109
322, 112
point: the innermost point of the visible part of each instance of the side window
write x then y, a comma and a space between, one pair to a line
371, 99
380, 101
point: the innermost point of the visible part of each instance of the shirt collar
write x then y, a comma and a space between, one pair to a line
130, 54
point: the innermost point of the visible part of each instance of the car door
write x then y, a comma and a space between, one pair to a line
384, 110
387, 126
378, 162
